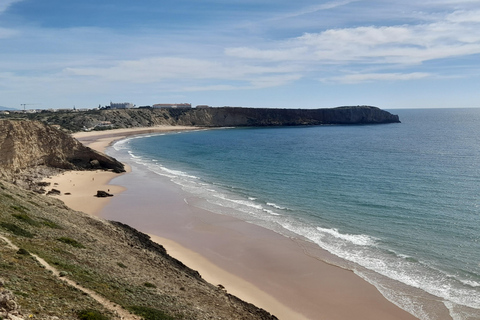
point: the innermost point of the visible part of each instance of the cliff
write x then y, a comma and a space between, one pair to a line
241, 117
28, 144
213, 117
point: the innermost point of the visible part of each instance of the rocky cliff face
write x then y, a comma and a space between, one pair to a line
219, 117
27, 144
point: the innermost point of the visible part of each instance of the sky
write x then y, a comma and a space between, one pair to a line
253, 53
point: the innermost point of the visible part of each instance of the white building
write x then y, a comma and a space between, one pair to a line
172, 106
121, 105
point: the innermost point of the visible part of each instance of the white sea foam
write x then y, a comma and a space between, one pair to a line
133, 155
361, 239
273, 213
271, 204
178, 173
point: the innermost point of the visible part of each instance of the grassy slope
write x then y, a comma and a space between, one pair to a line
112, 259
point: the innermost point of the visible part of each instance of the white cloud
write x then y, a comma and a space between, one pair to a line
4, 4
363, 77
455, 35
170, 68
312, 9
7, 33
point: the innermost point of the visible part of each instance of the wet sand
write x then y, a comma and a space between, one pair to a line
285, 276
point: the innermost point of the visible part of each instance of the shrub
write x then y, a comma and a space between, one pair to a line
91, 315
25, 218
16, 230
23, 251
6, 195
50, 224
149, 285
72, 242
121, 265
149, 313
20, 208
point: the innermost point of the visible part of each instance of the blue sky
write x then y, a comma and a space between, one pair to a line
262, 53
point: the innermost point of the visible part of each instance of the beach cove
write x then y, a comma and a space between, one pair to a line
282, 275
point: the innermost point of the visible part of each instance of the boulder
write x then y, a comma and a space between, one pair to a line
103, 194
54, 192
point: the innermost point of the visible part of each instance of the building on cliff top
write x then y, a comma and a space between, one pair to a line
172, 106
121, 105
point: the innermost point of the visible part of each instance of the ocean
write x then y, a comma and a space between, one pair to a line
399, 203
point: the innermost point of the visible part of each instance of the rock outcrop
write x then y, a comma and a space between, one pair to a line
27, 144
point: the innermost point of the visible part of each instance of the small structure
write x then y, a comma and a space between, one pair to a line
202, 106
172, 106
121, 105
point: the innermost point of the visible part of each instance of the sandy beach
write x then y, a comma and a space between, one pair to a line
282, 275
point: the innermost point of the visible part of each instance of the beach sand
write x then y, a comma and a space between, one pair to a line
285, 276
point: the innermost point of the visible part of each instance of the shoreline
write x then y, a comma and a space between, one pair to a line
244, 249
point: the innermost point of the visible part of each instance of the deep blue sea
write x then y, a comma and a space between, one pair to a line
400, 203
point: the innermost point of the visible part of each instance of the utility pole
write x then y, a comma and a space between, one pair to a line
27, 104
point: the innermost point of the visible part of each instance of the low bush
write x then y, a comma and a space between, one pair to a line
149, 313
72, 242
25, 218
50, 224
91, 315
149, 285
13, 228
23, 251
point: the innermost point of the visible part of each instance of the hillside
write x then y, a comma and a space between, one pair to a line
109, 258
211, 117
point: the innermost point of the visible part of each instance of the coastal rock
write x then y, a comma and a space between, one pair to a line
7, 301
30, 144
54, 192
103, 194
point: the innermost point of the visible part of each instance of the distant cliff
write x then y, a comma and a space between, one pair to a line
219, 117
213, 117
27, 144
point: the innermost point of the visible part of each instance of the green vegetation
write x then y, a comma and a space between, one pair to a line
72, 242
16, 230
6, 195
91, 315
25, 218
121, 265
23, 252
149, 285
50, 224
20, 208
149, 313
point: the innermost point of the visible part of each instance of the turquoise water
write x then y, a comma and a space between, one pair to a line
399, 202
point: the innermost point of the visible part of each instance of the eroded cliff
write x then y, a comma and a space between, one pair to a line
28, 144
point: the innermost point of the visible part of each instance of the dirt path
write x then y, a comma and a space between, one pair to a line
118, 311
